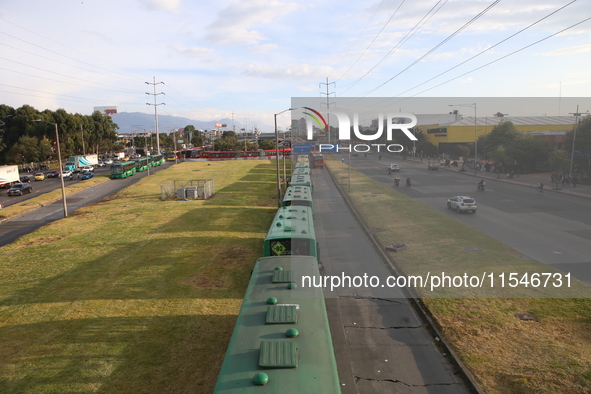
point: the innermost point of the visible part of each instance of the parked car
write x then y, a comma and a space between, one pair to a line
87, 175
433, 167
462, 204
18, 189
52, 174
87, 169
24, 179
394, 167
65, 174
39, 176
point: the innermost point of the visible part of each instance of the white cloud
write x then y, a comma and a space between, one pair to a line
262, 48
168, 5
569, 50
192, 52
235, 24
292, 72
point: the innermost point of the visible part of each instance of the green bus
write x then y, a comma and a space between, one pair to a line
298, 196
281, 341
142, 164
291, 233
156, 160
123, 169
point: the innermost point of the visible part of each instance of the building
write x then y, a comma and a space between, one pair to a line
464, 131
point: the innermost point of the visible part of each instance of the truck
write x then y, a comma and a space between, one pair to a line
76, 162
8, 176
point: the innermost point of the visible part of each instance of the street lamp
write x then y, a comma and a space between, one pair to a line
475, 138
59, 158
277, 157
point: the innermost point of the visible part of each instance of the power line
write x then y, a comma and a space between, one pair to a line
438, 45
402, 41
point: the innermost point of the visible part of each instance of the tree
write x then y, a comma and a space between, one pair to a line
501, 135
267, 144
582, 144
528, 152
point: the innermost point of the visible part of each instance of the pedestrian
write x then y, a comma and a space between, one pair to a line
379, 157
575, 180
342, 159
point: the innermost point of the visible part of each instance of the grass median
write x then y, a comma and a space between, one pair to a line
516, 340
134, 294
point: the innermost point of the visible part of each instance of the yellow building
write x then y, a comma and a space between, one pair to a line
465, 131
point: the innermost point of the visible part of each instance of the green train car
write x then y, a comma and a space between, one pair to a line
298, 196
123, 169
281, 342
300, 171
292, 233
301, 180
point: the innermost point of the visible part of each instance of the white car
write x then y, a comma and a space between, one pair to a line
65, 174
393, 167
87, 169
462, 204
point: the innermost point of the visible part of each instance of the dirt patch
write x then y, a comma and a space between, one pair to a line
42, 241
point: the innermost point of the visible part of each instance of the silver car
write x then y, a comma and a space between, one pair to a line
462, 204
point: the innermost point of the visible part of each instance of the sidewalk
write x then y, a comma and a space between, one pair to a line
528, 180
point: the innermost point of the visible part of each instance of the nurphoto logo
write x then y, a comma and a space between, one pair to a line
393, 123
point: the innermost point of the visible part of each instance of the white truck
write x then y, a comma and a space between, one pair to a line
75, 163
8, 176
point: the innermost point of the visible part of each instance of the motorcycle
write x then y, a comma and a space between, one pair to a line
407, 181
481, 186
396, 182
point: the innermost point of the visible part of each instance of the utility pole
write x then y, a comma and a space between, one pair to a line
572, 152
155, 110
82, 131
327, 94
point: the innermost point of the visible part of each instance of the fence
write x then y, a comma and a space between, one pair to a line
200, 189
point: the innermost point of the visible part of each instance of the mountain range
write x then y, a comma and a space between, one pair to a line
138, 122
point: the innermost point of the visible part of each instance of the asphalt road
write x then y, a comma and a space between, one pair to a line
552, 228
14, 228
381, 344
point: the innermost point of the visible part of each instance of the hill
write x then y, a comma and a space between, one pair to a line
130, 122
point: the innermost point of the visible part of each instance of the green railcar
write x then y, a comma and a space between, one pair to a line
123, 169
292, 233
301, 171
298, 196
301, 180
281, 341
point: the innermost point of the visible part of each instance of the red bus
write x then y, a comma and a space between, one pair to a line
282, 152
317, 160
218, 155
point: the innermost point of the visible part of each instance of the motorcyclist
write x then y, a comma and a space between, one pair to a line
408, 181
397, 181
481, 184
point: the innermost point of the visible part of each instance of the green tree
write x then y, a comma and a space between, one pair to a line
267, 144
582, 144
528, 152
501, 135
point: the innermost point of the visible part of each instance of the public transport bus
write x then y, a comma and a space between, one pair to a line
172, 156
300, 171
142, 164
218, 155
298, 196
123, 169
291, 233
250, 153
156, 160
317, 160
265, 353
273, 152
301, 180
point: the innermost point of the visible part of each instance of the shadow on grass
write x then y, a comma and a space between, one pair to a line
119, 354
180, 267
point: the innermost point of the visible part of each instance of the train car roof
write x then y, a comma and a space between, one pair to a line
262, 340
292, 222
298, 192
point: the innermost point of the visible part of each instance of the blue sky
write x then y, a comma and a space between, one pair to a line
249, 57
